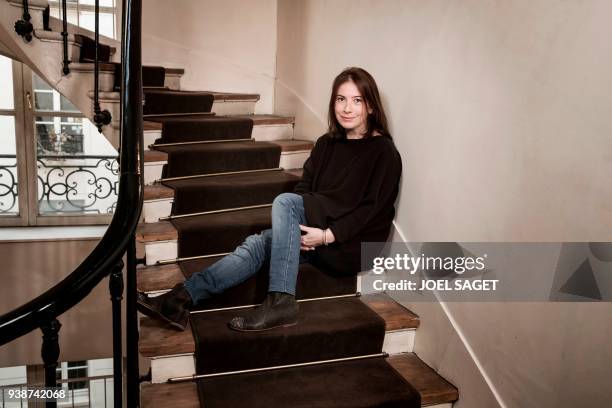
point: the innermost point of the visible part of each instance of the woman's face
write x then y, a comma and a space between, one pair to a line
351, 110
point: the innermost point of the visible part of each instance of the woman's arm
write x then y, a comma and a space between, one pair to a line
305, 184
313, 162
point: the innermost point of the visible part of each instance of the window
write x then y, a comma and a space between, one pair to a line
55, 167
72, 370
81, 13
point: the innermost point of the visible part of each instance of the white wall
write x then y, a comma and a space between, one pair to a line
223, 45
501, 113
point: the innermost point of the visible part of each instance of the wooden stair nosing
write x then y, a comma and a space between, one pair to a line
174, 71
433, 388
157, 192
234, 97
156, 231
158, 339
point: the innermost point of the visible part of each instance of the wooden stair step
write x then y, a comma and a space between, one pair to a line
396, 316
157, 192
431, 386
158, 277
231, 96
151, 156
159, 339
184, 395
156, 231
174, 71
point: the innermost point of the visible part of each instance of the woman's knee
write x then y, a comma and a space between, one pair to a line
256, 245
286, 200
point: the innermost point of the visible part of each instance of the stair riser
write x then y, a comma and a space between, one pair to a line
154, 210
288, 160
261, 133
173, 366
268, 133
234, 107
173, 81
86, 78
163, 368
153, 171
158, 251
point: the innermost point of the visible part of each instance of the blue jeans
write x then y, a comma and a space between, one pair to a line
280, 244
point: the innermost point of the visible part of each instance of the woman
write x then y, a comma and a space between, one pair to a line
346, 196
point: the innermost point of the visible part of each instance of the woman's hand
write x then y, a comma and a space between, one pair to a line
315, 237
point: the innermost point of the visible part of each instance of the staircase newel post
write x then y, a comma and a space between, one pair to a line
50, 354
115, 286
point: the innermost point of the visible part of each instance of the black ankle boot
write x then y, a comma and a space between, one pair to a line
172, 307
278, 309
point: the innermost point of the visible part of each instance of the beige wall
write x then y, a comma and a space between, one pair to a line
30, 268
501, 113
223, 45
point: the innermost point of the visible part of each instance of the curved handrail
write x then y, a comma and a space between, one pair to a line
111, 248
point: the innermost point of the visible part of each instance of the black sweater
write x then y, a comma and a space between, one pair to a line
350, 186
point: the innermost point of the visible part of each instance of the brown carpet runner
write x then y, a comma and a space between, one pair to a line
327, 329
199, 128
151, 76
230, 191
312, 283
370, 383
220, 157
215, 233
88, 49
162, 101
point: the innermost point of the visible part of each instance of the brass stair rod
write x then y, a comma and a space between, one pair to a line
152, 115
255, 370
249, 207
227, 173
199, 142
220, 309
189, 258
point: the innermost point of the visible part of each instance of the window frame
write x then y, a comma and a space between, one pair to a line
24, 116
18, 112
34, 217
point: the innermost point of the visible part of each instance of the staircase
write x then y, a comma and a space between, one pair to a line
210, 182
212, 169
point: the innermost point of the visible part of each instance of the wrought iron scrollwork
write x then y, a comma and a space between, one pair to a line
89, 185
8, 184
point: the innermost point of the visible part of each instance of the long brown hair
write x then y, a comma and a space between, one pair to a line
377, 120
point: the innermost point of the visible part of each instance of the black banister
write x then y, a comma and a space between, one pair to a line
131, 118
65, 67
119, 240
43, 311
115, 285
